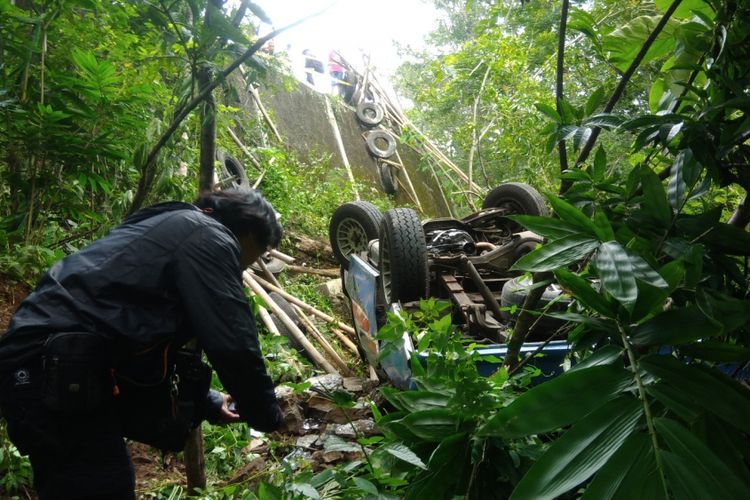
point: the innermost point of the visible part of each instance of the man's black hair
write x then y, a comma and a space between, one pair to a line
245, 212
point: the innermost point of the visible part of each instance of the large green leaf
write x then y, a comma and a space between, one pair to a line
710, 390
730, 312
432, 425
574, 216
613, 475
584, 293
682, 177
675, 400
616, 272
546, 226
675, 326
581, 451
710, 350
729, 239
412, 401
558, 253
655, 203
687, 8
710, 474
651, 299
402, 452
558, 402
624, 43
606, 355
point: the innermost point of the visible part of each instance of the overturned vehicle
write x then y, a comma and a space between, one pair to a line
389, 261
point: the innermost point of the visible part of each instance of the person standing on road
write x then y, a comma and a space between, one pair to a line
168, 274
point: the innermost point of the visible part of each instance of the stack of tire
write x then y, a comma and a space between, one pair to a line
380, 144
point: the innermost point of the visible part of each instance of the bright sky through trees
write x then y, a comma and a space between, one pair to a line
352, 27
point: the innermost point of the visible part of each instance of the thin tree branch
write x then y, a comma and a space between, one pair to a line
147, 178
561, 148
617, 94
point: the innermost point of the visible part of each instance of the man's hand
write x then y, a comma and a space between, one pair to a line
228, 414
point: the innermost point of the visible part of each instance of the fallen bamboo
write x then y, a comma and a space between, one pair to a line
256, 97
282, 256
246, 151
267, 320
330, 273
408, 181
340, 145
269, 274
294, 330
327, 347
345, 340
305, 306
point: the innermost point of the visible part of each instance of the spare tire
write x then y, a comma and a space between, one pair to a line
233, 170
518, 198
374, 140
352, 227
387, 180
403, 256
370, 113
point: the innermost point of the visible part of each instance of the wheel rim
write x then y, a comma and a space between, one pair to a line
351, 237
385, 269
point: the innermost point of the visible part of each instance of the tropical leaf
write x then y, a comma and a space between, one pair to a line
731, 313
616, 272
548, 110
402, 452
606, 355
412, 401
581, 451
675, 326
584, 292
709, 389
713, 478
655, 203
574, 216
716, 351
432, 425
546, 227
558, 402
623, 44
614, 475
558, 253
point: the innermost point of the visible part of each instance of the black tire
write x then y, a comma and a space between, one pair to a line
274, 265
387, 180
403, 256
373, 144
518, 198
370, 113
514, 294
285, 306
352, 227
232, 169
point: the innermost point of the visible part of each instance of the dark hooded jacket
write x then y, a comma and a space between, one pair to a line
169, 272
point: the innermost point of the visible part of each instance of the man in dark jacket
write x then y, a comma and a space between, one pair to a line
170, 273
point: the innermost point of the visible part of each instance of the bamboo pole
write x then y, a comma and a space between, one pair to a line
256, 98
294, 330
329, 273
282, 256
246, 151
408, 180
340, 145
345, 340
327, 347
305, 306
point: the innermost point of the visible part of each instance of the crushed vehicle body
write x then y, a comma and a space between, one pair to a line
390, 261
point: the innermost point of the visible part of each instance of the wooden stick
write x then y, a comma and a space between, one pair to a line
340, 144
287, 321
259, 179
256, 97
327, 347
282, 256
408, 181
331, 273
345, 340
305, 306
268, 321
269, 274
246, 151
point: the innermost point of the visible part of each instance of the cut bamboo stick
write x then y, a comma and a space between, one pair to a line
327, 347
282, 256
294, 330
345, 340
256, 97
246, 151
305, 306
330, 273
340, 145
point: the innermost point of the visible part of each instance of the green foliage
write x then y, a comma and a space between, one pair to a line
15, 469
